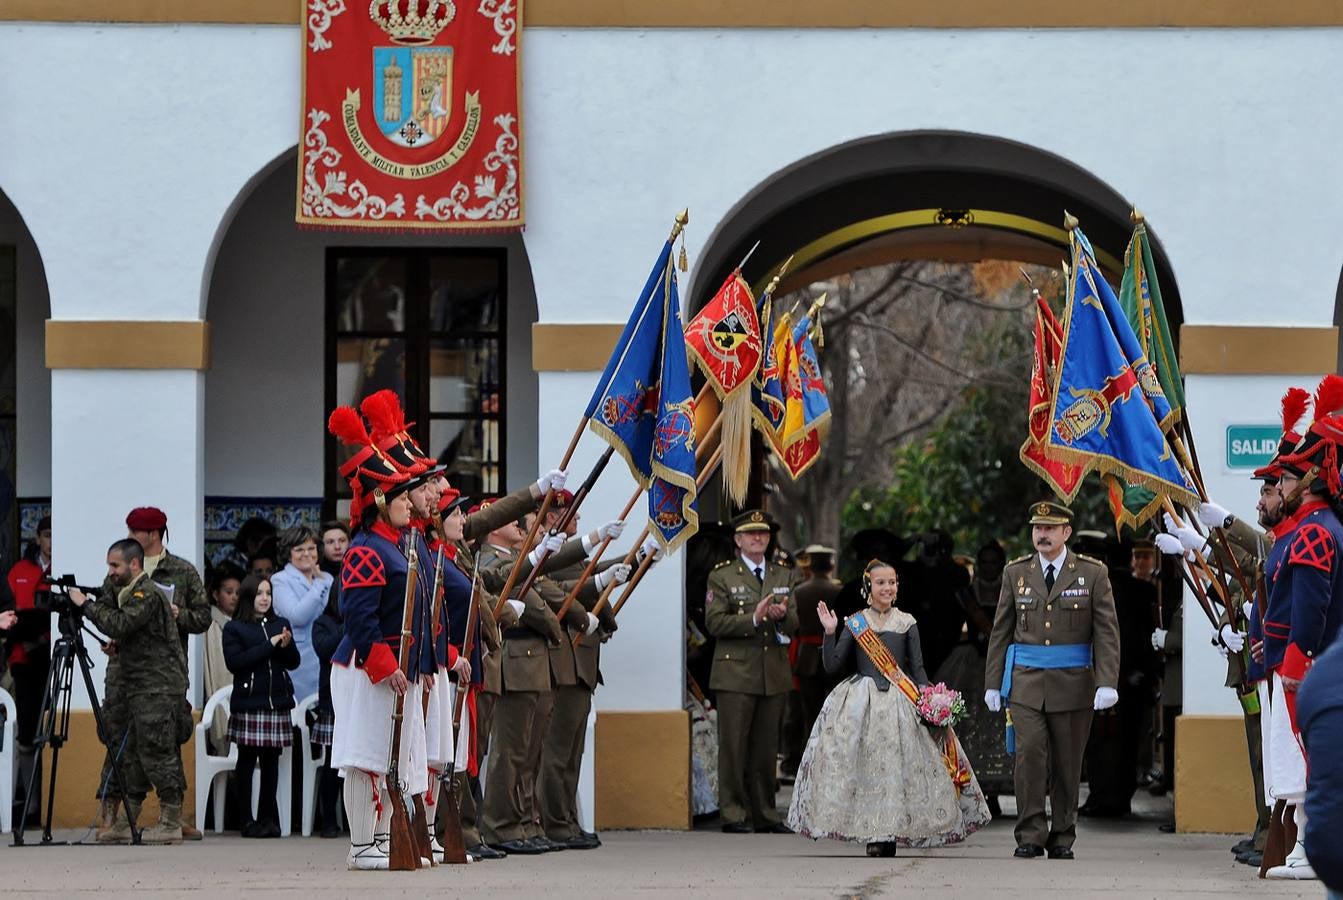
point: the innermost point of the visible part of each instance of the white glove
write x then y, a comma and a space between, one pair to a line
1190, 538
1159, 639
592, 624
993, 700
617, 574
650, 547
517, 607
551, 481
1106, 697
549, 544
1232, 639
1212, 515
610, 530
1169, 544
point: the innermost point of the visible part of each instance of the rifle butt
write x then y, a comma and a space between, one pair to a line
454, 848
402, 854
420, 830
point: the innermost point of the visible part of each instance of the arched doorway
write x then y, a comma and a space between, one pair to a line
25, 385
304, 320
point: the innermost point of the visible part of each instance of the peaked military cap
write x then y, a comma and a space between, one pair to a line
752, 520
1047, 512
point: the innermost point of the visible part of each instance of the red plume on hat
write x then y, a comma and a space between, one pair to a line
368, 470
1294, 405
384, 413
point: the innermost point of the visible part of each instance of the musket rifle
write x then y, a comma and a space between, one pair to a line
454, 849
403, 855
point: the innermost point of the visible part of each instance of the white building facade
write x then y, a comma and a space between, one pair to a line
172, 321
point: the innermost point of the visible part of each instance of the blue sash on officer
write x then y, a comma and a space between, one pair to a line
1038, 656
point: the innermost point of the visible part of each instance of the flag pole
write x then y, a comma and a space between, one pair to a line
601, 548
529, 541
648, 560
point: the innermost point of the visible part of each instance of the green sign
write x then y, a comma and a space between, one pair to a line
1251, 446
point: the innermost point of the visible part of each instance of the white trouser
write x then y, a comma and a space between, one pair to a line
363, 733
1284, 763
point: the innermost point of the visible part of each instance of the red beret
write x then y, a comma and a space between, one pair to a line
146, 518
479, 506
563, 499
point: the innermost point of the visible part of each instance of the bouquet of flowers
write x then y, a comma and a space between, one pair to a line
940, 706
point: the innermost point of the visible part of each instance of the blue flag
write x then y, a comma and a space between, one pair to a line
811, 381
1107, 403
644, 409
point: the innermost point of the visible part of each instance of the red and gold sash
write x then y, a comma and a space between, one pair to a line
880, 656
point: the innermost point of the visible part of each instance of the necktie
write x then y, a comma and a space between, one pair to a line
760, 574
1049, 577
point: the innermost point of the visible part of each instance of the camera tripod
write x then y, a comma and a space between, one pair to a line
53, 724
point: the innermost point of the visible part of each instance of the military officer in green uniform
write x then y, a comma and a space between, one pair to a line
1054, 658
750, 609
137, 615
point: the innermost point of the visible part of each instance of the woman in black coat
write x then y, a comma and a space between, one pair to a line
259, 650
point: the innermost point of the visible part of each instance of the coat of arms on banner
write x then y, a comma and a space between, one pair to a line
410, 116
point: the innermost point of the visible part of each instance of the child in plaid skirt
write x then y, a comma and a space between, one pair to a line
259, 650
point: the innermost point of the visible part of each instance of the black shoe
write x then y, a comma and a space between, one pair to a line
579, 842
881, 848
1029, 851
482, 851
547, 844
592, 836
1243, 846
776, 828
331, 831
1254, 858
1061, 853
519, 847
736, 828
1166, 828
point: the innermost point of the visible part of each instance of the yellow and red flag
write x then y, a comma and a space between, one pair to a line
1062, 476
724, 337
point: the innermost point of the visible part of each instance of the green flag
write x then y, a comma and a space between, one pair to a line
1140, 296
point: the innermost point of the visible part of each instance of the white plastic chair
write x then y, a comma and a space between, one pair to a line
311, 764
586, 776
9, 761
212, 771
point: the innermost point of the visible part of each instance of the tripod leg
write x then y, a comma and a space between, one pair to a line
56, 679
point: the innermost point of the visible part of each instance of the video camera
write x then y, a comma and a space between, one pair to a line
54, 595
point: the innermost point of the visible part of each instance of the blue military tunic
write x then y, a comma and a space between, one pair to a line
372, 601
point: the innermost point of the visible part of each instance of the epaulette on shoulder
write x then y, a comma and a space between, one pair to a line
726, 562
1090, 559
1021, 559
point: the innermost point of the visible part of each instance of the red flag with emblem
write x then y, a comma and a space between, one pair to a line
724, 337
1063, 477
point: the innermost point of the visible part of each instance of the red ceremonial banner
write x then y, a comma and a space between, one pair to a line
411, 115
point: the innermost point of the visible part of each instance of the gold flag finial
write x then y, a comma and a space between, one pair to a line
1069, 220
1135, 216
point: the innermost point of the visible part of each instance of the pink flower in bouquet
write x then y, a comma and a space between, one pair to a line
940, 705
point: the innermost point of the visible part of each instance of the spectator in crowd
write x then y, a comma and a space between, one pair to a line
265, 562
335, 541
326, 635
225, 582
259, 650
301, 591
28, 651
246, 544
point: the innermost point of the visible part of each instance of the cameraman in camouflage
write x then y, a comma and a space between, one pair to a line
179, 580
134, 612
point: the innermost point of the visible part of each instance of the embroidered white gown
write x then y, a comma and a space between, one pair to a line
872, 771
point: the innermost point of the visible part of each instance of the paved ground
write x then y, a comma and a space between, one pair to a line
1126, 859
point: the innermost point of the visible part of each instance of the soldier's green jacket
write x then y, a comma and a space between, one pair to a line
570, 665
149, 653
193, 608
524, 658
747, 657
1079, 610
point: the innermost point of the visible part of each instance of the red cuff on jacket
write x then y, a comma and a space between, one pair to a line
453, 656
1295, 663
381, 663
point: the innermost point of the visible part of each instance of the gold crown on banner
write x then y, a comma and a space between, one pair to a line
412, 21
